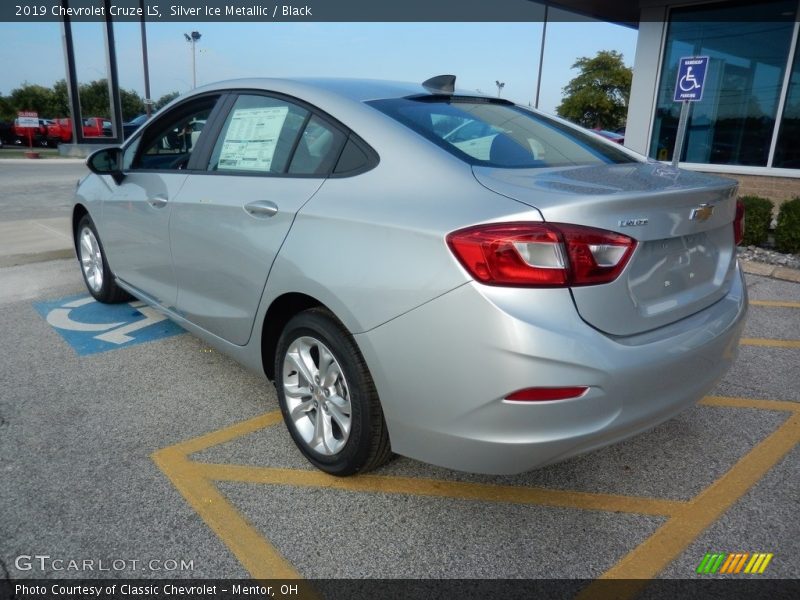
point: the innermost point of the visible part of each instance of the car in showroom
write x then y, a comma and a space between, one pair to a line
488, 307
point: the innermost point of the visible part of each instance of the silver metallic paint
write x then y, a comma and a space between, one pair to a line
443, 350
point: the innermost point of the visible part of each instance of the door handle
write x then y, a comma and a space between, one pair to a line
262, 208
157, 201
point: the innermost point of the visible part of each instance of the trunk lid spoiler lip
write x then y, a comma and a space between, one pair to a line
612, 181
633, 199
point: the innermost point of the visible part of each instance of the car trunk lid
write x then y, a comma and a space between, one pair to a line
685, 257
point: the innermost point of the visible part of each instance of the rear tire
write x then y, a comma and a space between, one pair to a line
97, 276
327, 396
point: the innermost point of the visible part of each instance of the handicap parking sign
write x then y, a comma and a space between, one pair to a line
91, 327
691, 76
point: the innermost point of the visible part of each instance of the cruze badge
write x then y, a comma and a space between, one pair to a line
702, 212
633, 222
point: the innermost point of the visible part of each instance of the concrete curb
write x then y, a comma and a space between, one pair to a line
42, 161
15, 260
773, 271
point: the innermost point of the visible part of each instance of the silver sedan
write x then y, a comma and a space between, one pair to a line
445, 276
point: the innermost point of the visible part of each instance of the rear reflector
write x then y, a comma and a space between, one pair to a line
738, 223
541, 254
540, 394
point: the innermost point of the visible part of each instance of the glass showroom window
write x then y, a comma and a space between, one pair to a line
787, 152
748, 46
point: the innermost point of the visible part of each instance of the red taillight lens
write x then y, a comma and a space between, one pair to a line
542, 394
541, 254
738, 223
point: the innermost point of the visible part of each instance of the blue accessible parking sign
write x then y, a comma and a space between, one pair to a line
90, 327
691, 76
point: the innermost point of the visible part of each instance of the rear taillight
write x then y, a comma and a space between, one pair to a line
541, 254
738, 223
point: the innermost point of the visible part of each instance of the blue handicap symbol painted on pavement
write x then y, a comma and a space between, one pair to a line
91, 327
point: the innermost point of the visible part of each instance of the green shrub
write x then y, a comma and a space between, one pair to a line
787, 233
757, 217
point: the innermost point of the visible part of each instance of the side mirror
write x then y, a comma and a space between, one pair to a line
107, 161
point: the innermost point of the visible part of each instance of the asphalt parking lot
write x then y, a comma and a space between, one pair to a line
127, 440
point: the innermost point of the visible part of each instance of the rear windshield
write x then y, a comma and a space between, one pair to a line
498, 134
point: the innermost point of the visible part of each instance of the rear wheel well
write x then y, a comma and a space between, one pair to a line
280, 312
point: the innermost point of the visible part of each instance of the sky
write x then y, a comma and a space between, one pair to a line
479, 54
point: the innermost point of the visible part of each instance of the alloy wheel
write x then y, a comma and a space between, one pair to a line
317, 395
91, 260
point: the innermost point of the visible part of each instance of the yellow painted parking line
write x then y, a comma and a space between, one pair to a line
775, 303
445, 489
686, 519
215, 438
735, 402
770, 343
253, 551
654, 554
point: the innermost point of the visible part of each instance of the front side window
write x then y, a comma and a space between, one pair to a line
498, 134
168, 143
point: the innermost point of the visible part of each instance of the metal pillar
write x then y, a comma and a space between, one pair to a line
113, 78
72, 79
680, 135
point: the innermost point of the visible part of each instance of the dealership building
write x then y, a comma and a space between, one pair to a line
747, 124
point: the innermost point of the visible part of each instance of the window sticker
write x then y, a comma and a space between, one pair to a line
251, 138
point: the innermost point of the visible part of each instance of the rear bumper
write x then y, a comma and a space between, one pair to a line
443, 369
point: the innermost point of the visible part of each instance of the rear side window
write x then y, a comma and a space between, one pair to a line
498, 134
259, 135
356, 157
317, 149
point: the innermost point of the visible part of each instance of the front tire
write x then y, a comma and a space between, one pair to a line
327, 396
97, 276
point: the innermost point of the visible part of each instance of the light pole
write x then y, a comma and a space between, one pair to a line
500, 86
541, 59
193, 38
148, 102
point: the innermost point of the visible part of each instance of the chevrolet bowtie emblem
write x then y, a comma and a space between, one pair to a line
702, 212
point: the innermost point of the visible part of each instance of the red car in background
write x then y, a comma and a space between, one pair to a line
38, 135
61, 129
610, 135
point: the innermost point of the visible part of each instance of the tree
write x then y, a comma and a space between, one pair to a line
166, 99
60, 99
94, 100
598, 96
132, 104
32, 97
6, 110
54, 102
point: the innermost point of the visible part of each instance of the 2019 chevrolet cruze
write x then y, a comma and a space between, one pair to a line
422, 271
